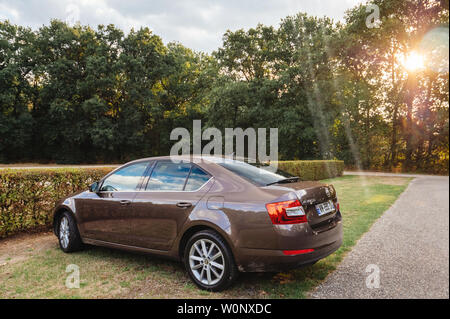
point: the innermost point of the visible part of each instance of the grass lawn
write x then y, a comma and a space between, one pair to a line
106, 273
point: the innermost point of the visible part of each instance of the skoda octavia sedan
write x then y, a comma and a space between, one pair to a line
218, 216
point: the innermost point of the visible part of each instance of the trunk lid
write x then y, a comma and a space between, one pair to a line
310, 194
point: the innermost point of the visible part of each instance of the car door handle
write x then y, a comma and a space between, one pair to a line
125, 202
184, 205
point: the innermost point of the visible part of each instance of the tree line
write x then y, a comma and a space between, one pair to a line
76, 94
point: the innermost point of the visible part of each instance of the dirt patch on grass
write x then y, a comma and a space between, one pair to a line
23, 246
391, 180
178, 285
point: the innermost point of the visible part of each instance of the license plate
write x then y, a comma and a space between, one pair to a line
325, 208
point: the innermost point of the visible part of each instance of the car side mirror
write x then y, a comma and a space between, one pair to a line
94, 187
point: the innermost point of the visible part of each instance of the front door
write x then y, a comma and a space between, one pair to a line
105, 215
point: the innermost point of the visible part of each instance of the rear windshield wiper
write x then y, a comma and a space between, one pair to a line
285, 180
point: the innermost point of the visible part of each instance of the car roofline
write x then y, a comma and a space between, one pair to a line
207, 158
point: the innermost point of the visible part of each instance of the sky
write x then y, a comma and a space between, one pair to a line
197, 24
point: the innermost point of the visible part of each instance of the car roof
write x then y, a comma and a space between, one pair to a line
207, 158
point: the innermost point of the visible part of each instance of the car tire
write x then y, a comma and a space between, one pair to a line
209, 261
68, 234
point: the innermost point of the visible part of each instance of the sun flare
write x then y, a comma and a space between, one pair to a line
414, 61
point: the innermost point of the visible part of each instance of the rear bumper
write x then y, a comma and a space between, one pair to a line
266, 260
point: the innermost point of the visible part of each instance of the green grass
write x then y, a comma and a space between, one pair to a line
107, 273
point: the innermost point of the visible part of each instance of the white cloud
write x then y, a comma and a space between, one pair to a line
198, 24
6, 12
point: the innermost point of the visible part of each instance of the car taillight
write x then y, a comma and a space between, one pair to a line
287, 212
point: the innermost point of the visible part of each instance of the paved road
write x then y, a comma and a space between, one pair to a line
409, 244
367, 173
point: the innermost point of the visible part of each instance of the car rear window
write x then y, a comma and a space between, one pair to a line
196, 179
169, 176
255, 173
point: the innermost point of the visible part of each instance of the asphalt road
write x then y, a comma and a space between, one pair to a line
408, 247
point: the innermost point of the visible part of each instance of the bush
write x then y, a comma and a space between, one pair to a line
313, 170
28, 196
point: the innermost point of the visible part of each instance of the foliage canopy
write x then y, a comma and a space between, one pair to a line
74, 94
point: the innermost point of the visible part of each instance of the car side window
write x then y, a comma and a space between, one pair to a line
196, 179
125, 179
168, 176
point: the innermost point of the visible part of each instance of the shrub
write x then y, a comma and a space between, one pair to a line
313, 170
28, 196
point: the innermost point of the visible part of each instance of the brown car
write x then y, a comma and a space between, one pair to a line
219, 216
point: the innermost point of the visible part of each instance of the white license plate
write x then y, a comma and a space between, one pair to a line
325, 208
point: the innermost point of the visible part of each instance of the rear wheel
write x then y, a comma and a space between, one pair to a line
209, 261
68, 235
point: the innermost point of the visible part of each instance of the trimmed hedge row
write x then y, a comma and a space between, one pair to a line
313, 170
27, 196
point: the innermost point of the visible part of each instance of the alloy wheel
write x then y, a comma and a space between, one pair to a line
64, 232
206, 261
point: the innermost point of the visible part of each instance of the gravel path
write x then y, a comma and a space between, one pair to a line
409, 244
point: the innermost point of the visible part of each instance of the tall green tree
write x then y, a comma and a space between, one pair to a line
16, 64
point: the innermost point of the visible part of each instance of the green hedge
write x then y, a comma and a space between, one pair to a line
313, 170
27, 196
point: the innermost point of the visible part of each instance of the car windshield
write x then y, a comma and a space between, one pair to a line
256, 173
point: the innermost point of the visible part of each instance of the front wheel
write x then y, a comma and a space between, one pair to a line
209, 261
68, 235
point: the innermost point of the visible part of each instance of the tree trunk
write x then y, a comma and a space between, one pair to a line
393, 161
411, 86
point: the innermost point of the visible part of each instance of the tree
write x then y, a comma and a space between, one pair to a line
15, 89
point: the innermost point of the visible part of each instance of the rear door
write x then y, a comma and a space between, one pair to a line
171, 192
105, 215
